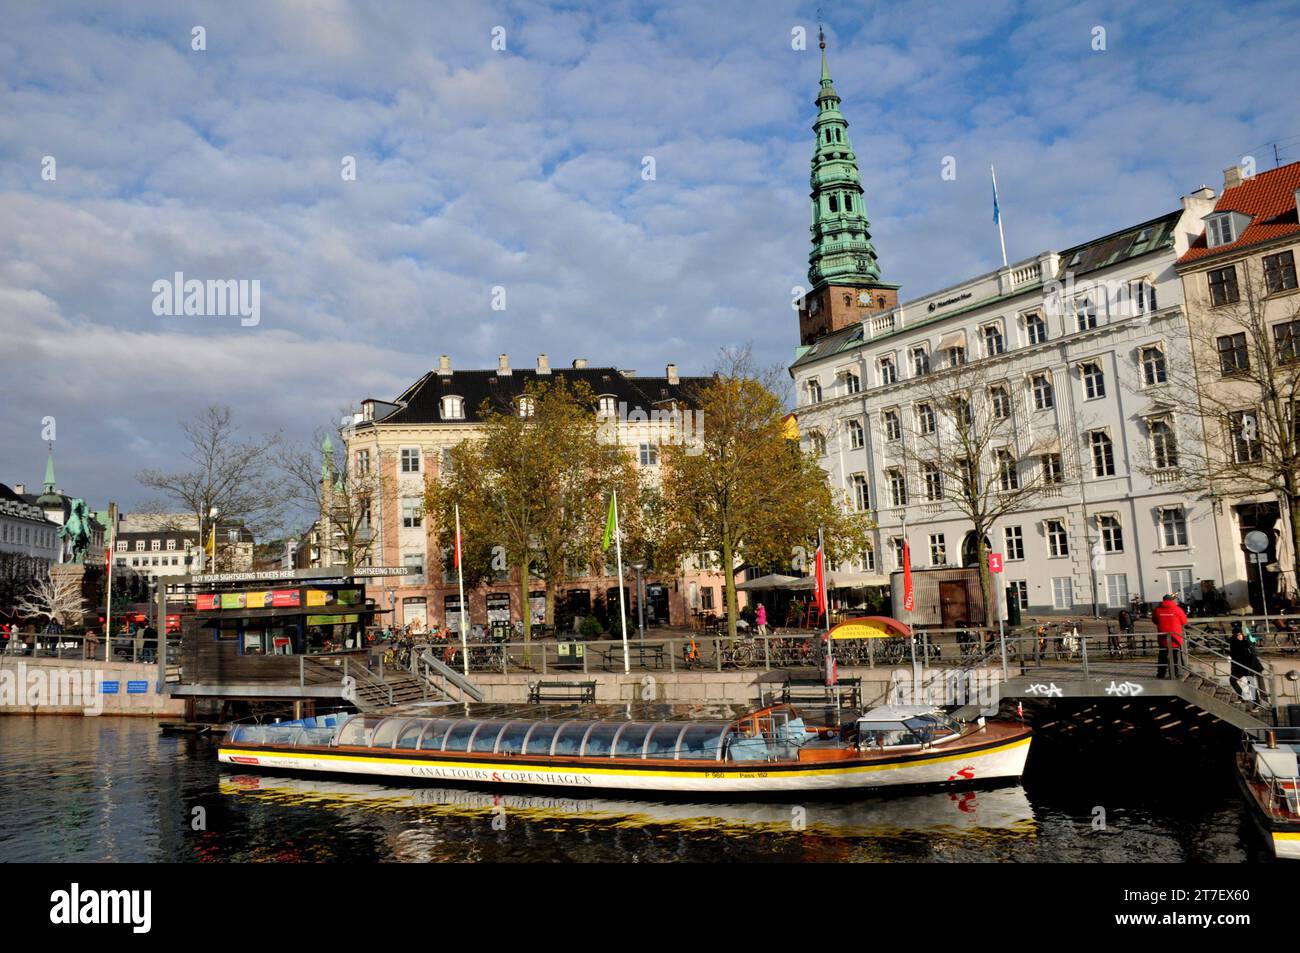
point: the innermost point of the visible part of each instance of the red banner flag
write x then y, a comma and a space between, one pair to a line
820, 587
909, 602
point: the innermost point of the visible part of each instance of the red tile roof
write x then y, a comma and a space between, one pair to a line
1269, 199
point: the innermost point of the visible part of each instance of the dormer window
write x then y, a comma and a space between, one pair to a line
527, 406
453, 408
1219, 230
606, 406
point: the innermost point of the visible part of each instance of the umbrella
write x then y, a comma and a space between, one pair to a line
770, 581
839, 580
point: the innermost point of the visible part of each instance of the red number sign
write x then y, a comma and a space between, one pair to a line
995, 562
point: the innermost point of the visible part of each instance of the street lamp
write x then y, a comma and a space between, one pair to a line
639, 565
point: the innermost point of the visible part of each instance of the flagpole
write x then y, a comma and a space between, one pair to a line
997, 212
826, 614
622, 614
460, 577
108, 604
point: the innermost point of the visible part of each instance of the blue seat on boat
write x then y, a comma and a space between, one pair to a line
747, 749
309, 722
794, 731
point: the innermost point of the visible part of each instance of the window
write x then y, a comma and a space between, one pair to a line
410, 459
171, 545
897, 487
861, 495
956, 356
1223, 285
962, 414
649, 455
1180, 583
938, 550
933, 482
607, 405
1018, 589
155, 545
1008, 474
1117, 591
814, 388
527, 406
1000, 400
446, 462
1279, 272
1173, 527
1103, 453
868, 559
453, 408
1094, 381
412, 515
414, 564
925, 422
993, 342
817, 443
852, 383
1143, 296
1063, 592
1286, 339
1164, 447
920, 362
1234, 358
706, 597
1058, 544
1053, 473
1153, 366
1035, 328
1044, 396
856, 437
139, 545
888, 373
1085, 313
1112, 536
121, 547
893, 426
969, 486
1244, 426
900, 548
1015, 542
1219, 231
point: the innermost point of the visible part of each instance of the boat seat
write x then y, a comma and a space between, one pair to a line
1276, 763
747, 749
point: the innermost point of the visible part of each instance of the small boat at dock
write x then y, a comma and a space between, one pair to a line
1269, 777
771, 750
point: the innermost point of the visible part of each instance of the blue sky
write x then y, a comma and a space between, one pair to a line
521, 168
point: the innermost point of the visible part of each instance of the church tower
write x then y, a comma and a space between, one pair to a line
842, 269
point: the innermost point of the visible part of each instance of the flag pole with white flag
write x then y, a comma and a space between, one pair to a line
611, 528
460, 576
997, 216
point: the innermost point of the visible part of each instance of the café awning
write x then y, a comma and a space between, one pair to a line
839, 579
762, 583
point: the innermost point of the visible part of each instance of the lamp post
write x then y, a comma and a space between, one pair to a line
639, 565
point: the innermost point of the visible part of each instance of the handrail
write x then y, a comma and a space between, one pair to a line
450, 674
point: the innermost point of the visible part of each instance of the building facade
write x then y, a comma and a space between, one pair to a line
1059, 367
1243, 303
26, 535
405, 443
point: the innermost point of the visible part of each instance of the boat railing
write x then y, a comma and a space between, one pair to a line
1273, 756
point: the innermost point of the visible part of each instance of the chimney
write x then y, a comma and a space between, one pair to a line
444, 366
1232, 177
20, 488
671, 373
628, 373
503, 365
579, 363
543, 364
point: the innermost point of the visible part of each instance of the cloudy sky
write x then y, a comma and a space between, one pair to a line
521, 168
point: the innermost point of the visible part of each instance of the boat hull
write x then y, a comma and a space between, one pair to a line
1282, 832
999, 760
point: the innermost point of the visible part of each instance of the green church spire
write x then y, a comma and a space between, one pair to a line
50, 498
842, 250
50, 482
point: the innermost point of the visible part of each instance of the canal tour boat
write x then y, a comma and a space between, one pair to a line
771, 750
1269, 776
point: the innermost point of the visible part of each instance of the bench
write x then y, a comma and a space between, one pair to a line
581, 692
815, 690
644, 655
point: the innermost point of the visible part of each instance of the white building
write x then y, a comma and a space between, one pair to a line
1071, 351
25, 533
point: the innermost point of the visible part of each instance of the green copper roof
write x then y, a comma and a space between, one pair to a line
49, 499
49, 473
841, 237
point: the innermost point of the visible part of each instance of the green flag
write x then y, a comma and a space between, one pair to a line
610, 520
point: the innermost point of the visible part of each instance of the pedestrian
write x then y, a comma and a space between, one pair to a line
4, 638
1169, 620
760, 619
1245, 663
1126, 626
90, 649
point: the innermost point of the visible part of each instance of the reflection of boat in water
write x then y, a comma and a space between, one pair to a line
1268, 774
999, 809
767, 751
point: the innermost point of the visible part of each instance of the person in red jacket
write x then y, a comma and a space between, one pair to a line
1169, 619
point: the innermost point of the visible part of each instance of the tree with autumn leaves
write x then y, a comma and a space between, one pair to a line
744, 492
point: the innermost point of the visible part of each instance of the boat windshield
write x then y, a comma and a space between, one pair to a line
914, 729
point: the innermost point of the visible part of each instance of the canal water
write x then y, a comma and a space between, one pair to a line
115, 789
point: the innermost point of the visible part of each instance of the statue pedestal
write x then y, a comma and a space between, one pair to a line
74, 574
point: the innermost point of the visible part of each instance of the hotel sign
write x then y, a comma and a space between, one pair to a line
935, 305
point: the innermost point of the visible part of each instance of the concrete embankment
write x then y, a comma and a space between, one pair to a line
51, 686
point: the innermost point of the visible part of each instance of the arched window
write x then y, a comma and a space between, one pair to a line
834, 205
453, 408
817, 443
1044, 396
607, 406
